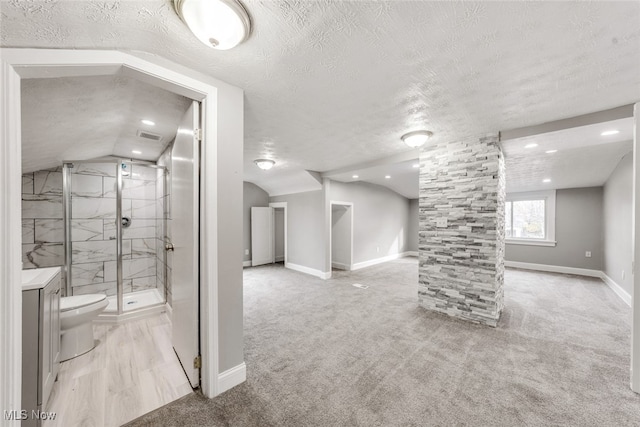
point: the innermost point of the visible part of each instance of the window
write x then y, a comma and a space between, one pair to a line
530, 218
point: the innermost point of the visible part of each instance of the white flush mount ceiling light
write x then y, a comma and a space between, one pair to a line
136, 151
355, 177
532, 145
546, 180
387, 177
148, 122
220, 24
417, 138
551, 151
264, 164
610, 132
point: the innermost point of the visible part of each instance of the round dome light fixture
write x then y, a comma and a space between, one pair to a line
264, 164
220, 24
416, 138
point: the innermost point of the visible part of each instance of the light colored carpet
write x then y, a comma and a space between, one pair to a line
325, 353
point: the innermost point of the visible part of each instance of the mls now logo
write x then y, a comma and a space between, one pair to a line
15, 415
24, 415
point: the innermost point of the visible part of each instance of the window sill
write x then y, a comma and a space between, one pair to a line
530, 242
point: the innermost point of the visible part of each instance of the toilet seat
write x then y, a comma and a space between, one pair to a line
79, 301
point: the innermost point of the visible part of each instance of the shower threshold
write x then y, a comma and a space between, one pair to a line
135, 305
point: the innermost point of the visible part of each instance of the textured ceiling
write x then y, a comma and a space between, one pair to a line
334, 83
584, 158
78, 118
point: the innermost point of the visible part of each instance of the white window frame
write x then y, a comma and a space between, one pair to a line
549, 197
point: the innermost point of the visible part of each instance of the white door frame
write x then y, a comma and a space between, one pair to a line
333, 203
282, 205
16, 64
635, 283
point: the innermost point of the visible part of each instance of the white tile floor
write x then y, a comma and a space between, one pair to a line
133, 370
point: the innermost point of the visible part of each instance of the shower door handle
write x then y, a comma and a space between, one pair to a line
169, 247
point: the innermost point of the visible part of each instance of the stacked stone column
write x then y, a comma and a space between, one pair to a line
462, 263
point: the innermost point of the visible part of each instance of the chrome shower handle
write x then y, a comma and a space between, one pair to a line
169, 247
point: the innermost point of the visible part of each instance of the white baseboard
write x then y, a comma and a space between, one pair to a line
232, 377
169, 311
411, 253
363, 264
340, 266
280, 258
624, 295
554, 268
246, 263
307, 270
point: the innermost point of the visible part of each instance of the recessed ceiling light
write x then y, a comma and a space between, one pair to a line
532, 145
610, 132
551, 151
417, 138
148, 122
220, 24
136, 152
355, 177
416, 165
264, 164
546, 180
387, 177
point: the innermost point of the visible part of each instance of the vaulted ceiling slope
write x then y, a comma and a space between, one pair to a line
334, 83
79, 118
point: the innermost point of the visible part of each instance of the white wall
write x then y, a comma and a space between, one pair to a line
617, 202
380, 219
305, 239
252, 196
578, 229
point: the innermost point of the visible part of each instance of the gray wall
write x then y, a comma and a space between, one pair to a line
228, 207
305, 228
380, 219
578, 229
252, 196
617, 202
412, 235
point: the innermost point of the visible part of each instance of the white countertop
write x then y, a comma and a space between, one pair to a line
38, 278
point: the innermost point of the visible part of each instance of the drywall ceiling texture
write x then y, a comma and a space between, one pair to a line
79, 118
333, 83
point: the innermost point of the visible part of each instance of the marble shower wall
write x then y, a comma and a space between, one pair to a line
42, 227
461, 269
93, 226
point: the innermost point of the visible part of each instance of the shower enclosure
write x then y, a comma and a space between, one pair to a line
115, 222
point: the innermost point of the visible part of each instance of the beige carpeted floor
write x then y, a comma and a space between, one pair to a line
325, 353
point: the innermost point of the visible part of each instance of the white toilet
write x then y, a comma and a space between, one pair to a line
76, 331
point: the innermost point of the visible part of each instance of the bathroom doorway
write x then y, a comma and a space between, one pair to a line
102, 216
222, 120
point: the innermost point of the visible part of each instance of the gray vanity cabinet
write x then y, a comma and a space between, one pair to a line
40, 344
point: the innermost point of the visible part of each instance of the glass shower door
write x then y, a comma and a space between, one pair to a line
143, 262
90, 228
115, 230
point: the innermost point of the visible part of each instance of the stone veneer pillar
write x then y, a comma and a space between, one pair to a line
462, 263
